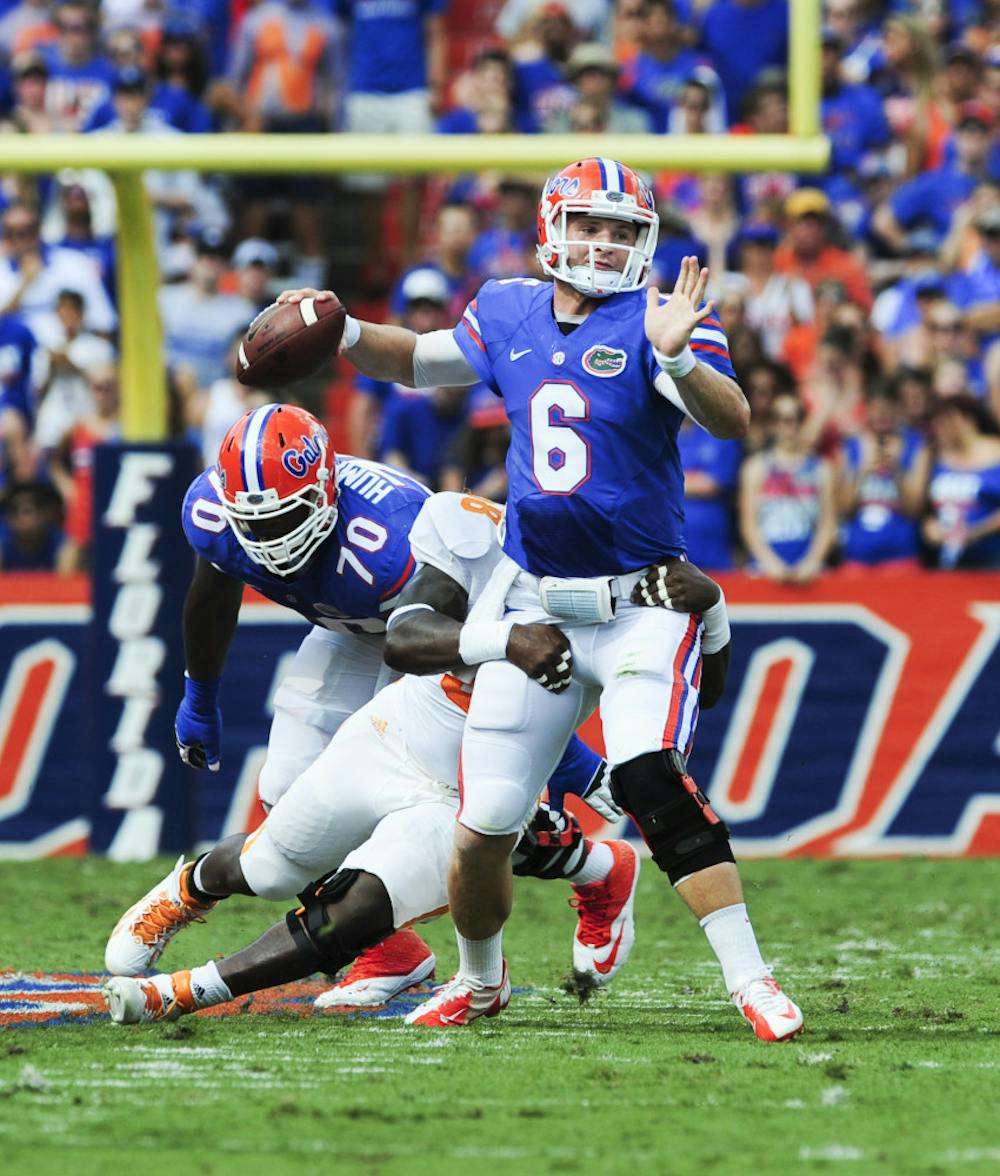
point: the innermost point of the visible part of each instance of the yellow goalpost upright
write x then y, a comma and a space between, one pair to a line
126, 157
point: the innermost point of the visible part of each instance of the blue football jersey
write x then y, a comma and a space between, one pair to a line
596, 486
353, 583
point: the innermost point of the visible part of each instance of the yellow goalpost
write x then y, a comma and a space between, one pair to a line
126, 157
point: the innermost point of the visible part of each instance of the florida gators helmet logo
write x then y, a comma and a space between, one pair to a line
276, 481
602, 188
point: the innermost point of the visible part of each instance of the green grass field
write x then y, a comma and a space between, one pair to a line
895, 965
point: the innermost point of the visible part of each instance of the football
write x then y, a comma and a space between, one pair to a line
289, 341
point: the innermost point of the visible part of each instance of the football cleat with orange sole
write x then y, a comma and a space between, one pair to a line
146, 928
158, 998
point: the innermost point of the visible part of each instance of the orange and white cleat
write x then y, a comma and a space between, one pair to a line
462, 1001
158, 998
771, 1014
382, 972
146, 928
605, 930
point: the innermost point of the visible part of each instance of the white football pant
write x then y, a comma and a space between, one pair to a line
364, 804
643, 667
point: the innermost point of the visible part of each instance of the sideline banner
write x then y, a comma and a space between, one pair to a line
861, 718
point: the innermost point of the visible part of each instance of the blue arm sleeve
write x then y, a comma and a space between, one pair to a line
574, 773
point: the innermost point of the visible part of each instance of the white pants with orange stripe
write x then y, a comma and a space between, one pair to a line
364, 804
330, 677
643, 667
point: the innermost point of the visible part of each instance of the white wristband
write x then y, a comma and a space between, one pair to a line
481, 641
352, 331
677, 366
716, 634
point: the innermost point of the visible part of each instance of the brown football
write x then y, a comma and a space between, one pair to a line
288, 341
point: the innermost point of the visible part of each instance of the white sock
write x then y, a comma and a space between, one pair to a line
597, 865
208, 987
731, 935
481, 959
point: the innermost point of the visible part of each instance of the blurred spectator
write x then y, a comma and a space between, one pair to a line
69, 224
180, 72
199, 321
932, 198
177, 195
765, 112
711, 473
485, 99
591, 17
25, 25
286, 65
762, 382
18, 374
960, 78
593, 72
68, 354
210, 412
506, 248
882, 484
915, 396
73, 466
80, 76
861, 38
29, 115
477, 462
774, 302
807, 251
709, 206
31, 539
834, 386
963, 529
425, 295
787, 506
743, 37
397, 67
655, 77
419, 426
949, 342
851, 113
626, 30
904, 76
32, 275
255, 262
456, 227
540, 88
675, 242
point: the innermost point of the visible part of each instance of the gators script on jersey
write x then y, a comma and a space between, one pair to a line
595, 479
352, 584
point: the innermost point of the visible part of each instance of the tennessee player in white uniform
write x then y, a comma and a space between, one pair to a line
376, 811
596, 374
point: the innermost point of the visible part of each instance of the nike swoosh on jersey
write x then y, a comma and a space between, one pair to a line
604, 966
516, 355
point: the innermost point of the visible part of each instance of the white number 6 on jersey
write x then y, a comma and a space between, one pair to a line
560, 455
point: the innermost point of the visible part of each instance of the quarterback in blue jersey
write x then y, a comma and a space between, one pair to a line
596, 374
328, 536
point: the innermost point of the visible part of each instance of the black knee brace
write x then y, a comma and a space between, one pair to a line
680, 827
333, 930
552, 846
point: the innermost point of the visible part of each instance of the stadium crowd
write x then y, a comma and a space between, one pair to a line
862, 307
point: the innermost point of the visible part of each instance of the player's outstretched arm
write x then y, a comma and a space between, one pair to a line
715, 401
427, 634
211, 610
681, 585
377, 350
